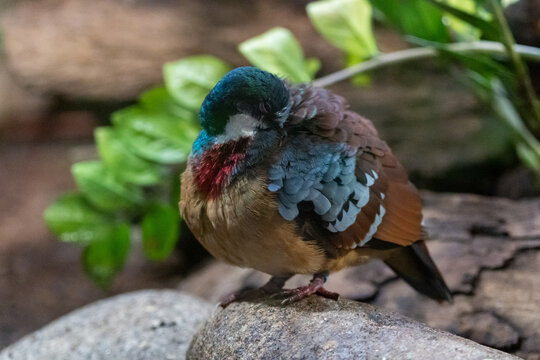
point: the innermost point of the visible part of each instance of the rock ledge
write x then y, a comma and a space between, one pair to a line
144, 325
318, 328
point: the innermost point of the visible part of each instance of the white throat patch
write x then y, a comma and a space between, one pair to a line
239, 126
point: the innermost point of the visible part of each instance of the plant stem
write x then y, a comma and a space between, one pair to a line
483, 47
522, 71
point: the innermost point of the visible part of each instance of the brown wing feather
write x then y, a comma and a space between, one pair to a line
401, 223
326, 115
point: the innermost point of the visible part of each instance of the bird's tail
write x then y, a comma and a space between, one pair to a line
416, 267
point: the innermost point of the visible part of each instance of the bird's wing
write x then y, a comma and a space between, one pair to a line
338, 180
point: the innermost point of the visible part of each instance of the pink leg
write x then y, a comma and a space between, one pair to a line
316, 286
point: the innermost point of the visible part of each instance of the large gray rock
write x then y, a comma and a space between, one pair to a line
318, 328
142, 325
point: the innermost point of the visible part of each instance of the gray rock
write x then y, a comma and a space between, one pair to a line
151, 324
318, 328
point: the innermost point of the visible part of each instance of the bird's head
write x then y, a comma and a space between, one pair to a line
247, 99
242, 117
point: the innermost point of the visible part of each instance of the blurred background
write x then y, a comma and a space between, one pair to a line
67, 65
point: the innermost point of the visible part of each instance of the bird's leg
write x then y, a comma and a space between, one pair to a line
315, 286
274, 285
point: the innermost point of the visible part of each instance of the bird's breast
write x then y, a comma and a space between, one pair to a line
242, 226
216, 166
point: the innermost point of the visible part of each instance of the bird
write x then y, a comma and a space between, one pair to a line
287, 180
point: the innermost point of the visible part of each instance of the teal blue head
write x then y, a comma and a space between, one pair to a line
242, 119
247, 99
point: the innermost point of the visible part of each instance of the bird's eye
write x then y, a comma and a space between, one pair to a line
265, 107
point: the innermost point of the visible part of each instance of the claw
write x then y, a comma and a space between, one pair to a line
305, 291
314, 287
273, 286
274, 289
327, 294
241, 295
279, 294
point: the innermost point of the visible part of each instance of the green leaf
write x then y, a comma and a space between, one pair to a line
189, 80
507, 111
277, 51
103, 189
312, 66
175, 186
159, 100
528, 156
506, 3
160, 228
346, 24
482, 64
481, 85
488, 29
123, 163
414, 17
104, 258
155, 136
73, 219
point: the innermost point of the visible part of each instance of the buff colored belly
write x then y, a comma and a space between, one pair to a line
243, 227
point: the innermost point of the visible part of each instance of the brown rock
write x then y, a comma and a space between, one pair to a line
17, 102
92, 49
486, 328
112, 50
490, 254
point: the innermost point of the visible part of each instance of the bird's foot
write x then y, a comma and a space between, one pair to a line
274, 285
316, 286
242, 295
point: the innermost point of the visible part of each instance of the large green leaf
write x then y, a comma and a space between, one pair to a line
159, 100
160, 228
278, 52
346, 24
103, 189
414, 17
189, 80
73, 219
104, 258
155, 136
122, 162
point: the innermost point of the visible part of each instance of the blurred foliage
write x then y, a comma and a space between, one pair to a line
347, 25
418, 18
189, 80
132, 191
278, 52
133, 186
